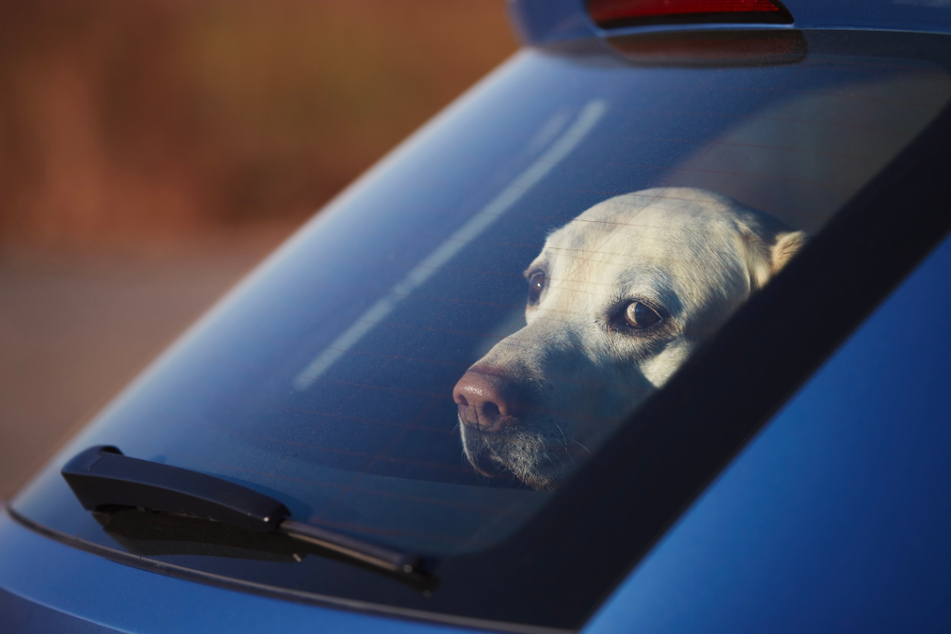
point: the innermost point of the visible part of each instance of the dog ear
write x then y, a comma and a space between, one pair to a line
764, 261
786, 246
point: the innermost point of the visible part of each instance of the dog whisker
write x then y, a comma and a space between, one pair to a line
580, 445
563, 437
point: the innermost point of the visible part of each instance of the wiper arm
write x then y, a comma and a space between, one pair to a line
104, 479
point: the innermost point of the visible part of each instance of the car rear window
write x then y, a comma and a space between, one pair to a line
435, 354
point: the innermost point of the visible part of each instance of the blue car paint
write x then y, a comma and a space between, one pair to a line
836, 517
549, 21
92, 594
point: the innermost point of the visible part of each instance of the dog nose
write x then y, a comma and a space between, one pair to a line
486, 400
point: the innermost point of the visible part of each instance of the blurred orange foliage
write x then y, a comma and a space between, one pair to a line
130, 122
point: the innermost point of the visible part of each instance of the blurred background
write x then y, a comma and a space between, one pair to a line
152, 152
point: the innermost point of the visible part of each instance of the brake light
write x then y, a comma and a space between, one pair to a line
609, 14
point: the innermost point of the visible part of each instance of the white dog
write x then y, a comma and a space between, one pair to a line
618, 299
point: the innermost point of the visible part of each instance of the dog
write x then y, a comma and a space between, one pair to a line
617, 300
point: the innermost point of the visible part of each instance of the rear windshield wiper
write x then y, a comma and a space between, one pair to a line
104, 480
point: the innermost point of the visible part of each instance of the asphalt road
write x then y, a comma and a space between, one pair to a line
75, 328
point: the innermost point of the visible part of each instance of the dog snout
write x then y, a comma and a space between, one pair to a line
488, 401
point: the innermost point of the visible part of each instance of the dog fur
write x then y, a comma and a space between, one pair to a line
618, 299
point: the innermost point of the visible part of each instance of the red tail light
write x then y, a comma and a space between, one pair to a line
617, 13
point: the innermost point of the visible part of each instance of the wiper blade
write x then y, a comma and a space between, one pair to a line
103, 479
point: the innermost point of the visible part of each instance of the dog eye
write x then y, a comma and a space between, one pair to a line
641, 316
536, 284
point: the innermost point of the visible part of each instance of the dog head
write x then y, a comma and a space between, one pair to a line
617, 300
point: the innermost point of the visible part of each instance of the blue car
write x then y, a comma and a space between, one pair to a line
646, 332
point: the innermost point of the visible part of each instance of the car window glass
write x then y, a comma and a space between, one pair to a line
438, 351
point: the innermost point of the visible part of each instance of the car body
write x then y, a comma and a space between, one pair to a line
788, 473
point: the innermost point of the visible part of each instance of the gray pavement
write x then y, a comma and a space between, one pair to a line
75, 328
